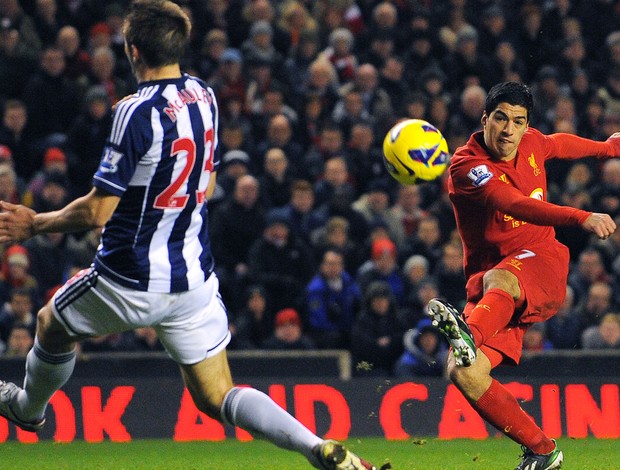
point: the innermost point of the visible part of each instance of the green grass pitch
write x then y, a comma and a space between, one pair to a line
412, 454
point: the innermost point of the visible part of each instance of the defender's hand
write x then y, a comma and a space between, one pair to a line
16, 222
600, 224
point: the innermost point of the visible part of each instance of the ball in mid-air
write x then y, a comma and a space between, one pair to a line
414, 150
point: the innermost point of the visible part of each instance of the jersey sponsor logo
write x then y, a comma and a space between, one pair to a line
109, 162
479, 175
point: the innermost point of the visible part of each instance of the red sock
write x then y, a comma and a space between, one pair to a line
498, 407
491, 314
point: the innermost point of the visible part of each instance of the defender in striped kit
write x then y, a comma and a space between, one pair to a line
154, 266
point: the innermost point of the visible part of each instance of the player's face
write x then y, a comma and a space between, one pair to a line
503, 130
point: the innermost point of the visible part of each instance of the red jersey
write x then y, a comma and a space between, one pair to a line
500, 206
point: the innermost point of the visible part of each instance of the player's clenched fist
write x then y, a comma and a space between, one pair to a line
600, 224
16, 222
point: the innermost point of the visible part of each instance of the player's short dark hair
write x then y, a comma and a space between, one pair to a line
513, 93
159, 29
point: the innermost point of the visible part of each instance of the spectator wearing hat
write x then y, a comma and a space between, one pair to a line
377, 333
264, 10
425, 352
374, 205
54, 191
259, 51
229, 81
340, 53
546, 90
332, 300
87, 137
280, 262
288, 333
383, 266
16, 140
15, 274
54, 161
493, 29
100, 35
416, 270
253, 322
235, 164
467, 64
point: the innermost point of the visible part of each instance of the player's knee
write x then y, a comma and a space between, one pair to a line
502, 279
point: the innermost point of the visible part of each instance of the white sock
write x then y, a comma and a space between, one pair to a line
45, 374
258, 414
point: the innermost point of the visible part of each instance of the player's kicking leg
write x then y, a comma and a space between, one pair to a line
448, 320
210, 384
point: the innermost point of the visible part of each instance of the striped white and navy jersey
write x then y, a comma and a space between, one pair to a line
159, 158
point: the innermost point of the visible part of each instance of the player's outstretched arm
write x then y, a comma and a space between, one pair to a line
602, 225
93, 210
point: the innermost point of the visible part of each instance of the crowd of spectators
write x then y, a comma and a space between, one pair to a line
315, 246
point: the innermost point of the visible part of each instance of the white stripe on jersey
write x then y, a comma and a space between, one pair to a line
158, 249
125, 109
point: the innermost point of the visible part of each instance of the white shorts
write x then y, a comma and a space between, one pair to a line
192, 325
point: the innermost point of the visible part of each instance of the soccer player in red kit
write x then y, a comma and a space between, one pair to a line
516, 270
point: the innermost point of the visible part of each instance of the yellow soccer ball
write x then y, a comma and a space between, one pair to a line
414, 150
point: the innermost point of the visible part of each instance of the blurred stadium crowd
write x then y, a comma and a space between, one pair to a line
316, 247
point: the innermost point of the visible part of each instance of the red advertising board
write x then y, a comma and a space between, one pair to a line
158, 407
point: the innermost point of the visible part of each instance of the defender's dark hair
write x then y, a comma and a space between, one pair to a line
513, 93
159, 29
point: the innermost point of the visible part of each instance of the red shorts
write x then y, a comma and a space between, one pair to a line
542, 271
